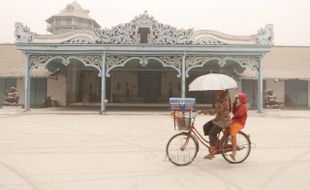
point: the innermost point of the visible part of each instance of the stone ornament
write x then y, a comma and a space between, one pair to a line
12, 97
22, 33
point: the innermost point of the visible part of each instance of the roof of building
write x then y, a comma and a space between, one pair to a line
292, 62
12, 63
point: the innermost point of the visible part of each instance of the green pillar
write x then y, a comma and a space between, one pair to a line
27, 85
103, 85
183, 78
260, 87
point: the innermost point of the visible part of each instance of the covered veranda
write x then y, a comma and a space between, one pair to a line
182, 59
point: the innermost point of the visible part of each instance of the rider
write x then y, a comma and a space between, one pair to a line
239, 111
222, 120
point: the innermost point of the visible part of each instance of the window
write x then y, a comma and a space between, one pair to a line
144, 35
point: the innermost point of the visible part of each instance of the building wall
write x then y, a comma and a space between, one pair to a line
57, 89
277, 87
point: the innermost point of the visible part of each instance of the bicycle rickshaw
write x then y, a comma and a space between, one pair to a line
183, 147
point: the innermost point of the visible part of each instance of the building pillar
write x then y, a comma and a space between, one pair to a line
73, 84
183, 78
103, 85
260, 87
27, 85
111, 87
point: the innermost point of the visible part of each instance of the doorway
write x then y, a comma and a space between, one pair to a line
296, 93
38, 88
149, 86
249, 87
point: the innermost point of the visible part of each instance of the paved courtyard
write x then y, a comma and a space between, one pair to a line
126, 150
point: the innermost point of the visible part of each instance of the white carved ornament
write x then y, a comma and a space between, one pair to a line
211, 37
265, 35
128, 33
22, 33
159, 33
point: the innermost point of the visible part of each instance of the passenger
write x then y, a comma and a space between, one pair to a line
240, 113
222, 120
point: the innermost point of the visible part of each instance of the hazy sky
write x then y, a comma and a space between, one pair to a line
291, 18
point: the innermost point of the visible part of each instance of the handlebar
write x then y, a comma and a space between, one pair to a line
198, 112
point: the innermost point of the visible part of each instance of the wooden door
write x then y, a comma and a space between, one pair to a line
149, 86
38, 91
296, 93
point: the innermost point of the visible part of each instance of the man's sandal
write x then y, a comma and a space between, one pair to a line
209, 156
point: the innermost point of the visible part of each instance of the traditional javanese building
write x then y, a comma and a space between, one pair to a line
145, 62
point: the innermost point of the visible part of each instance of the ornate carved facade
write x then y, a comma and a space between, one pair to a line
154, 33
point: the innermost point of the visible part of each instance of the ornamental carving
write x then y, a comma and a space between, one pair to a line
115, 60
22, 33
194, 60
91, 60
38, 59
265, 35
88, 60
175, 61
80, 40
158, 33
208, 41
248, 62
144, 29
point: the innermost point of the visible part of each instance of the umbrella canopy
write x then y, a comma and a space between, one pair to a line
212, 81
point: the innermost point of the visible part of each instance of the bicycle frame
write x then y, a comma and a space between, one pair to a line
200, 138
196, 134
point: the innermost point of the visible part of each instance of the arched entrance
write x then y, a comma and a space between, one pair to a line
84, 84
143, 80
70, 79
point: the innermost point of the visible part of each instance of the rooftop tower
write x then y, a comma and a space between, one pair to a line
73, 17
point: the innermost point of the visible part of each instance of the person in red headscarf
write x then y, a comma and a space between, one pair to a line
240, 113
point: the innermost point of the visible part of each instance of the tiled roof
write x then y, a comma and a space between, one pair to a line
12, 63
289, 62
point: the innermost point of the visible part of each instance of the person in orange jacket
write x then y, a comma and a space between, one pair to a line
240, 113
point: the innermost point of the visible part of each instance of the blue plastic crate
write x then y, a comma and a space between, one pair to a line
182, 104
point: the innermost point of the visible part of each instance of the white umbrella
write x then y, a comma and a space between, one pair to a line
212, 81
